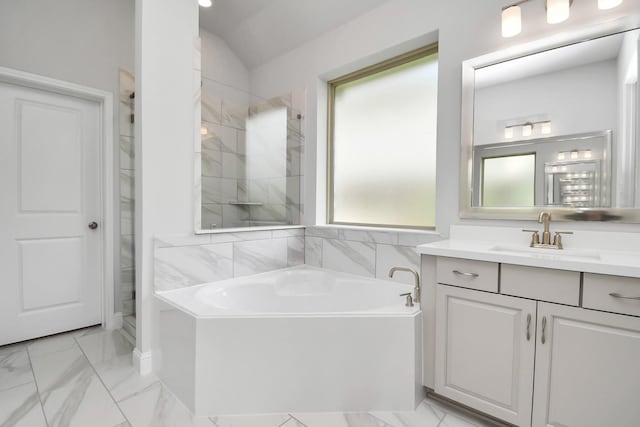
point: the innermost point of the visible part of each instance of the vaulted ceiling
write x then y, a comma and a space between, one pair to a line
259, 30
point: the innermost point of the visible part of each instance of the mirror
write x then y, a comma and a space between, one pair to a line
553, 128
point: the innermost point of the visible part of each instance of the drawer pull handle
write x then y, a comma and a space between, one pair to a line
466, 275
528, 327
543, 338
617, 295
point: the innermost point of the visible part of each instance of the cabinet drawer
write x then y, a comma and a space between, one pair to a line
467, 273
611, 293
541, 284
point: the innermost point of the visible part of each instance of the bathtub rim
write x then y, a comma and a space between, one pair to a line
164, 296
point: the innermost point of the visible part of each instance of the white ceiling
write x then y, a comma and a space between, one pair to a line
260, 30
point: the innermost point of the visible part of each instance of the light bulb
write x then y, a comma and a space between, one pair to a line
205, 3
557, 11
508, 132
574, 155
560, 156
587, 154
545, 128
608, 4
204, 130
511, 21
527, 129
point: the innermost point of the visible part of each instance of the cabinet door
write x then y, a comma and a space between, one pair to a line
587, 368
485, 351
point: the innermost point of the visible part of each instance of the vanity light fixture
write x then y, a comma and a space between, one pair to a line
205, 3
527, 128
511, 20
586, 154
508, 132
204, 130
557, 11
574, 155
608, 4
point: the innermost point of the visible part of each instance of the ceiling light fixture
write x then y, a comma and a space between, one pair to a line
608, 4
205, 3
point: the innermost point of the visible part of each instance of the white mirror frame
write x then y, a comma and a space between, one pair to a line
467, 210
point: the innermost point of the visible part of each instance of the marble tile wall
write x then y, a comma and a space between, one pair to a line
261, 175
182, 261
367, 253
126, 278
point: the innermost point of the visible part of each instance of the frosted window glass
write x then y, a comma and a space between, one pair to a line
508, 181
384, 147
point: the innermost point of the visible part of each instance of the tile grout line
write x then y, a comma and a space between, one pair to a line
33, 374
102, 382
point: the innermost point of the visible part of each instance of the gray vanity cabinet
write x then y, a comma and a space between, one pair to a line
587, 370
586, 361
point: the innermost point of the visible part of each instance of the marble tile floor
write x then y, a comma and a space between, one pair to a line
85, 378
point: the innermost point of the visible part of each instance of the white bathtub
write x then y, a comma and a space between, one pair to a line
300, 339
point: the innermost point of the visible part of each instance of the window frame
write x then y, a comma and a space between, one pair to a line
331, 91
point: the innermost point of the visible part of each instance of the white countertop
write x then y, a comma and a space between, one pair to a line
588, 260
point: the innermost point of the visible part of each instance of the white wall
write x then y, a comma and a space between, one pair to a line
584, 99
167, 95
464, 29
80, 41
221, 64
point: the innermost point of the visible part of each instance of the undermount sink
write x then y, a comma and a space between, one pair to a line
548, 253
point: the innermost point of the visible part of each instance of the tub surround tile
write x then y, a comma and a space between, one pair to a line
234, 115
259, 256
211, 163
127, 216
295, 251
408, 238
388, 256
211, 216
269, 420
170, 241
71, 392
387, 237
156, 406
15, 369
127, 185
349, 257
20, 407
323, 231
289, 232
191, 265
211, 107
313, 251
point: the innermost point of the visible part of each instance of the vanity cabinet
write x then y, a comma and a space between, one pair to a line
587, 369
586, 361
485, 351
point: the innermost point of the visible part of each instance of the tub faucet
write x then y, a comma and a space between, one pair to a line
416, 287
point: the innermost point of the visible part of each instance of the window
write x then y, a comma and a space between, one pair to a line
509, 180
382, 143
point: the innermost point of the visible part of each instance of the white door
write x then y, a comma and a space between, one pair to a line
50, 260
485, 345
587, 368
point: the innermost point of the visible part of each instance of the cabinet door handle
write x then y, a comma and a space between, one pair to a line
467, 275
617, 295
543, 338
528, 327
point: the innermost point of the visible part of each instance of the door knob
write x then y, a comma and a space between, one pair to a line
93, 225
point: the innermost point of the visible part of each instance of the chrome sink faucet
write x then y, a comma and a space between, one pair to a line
416, 287
545, 218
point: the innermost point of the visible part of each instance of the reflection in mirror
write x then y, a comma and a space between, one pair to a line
558, 128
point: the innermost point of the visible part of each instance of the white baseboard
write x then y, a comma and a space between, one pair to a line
114, 321
142, 362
